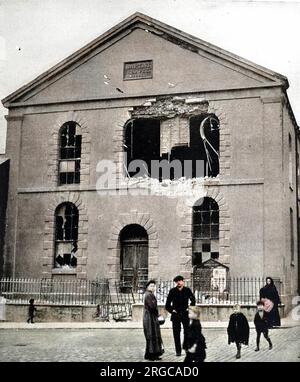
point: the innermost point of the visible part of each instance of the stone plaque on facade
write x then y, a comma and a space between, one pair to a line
138, 70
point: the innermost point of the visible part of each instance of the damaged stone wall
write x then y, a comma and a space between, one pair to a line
173, 132
174, 114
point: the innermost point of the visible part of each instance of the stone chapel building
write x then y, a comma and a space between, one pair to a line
145, 90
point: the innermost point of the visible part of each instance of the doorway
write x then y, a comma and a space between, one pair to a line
134, 257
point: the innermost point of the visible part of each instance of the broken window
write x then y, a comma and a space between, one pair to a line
70, 154
205, 231
204, 144
66, 235
142, 142
173, 148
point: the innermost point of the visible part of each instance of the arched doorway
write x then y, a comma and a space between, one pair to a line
134, 256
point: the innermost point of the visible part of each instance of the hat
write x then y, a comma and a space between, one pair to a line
150, 282
178, 278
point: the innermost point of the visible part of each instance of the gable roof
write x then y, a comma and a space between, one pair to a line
140, 20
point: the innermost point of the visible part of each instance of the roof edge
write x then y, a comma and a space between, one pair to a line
118, 28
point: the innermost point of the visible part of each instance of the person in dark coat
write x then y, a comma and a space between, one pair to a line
261, 325
269, 293
238, 329
154, 346
31, 310
177, 304
195, 341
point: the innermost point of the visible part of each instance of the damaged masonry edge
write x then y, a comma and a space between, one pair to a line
192, 100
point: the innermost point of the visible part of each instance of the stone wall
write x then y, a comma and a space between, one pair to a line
51, 313
71, 313
4, 177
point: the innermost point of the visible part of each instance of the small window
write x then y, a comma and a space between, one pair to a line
69, 154
66, 236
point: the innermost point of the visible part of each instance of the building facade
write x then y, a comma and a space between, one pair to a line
79, 203
4, 177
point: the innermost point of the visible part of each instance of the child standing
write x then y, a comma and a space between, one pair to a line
238, 329
31, 311
195, 342
261, 325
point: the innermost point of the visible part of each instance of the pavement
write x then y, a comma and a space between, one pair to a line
128, 345
89, 342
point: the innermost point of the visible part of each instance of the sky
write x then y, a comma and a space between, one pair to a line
37, 34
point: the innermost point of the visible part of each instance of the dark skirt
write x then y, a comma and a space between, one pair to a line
154, 346
274, 317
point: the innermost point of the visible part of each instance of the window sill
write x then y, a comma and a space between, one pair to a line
61, 271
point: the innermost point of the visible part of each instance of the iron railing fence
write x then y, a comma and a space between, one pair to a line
162, 290
116, 298
232, 290
55, 291
122, 298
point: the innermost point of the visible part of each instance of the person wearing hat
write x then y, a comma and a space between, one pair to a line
177, 305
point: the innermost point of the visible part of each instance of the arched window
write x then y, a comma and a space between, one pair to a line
69, 154
134, 256
66, 235
205, 230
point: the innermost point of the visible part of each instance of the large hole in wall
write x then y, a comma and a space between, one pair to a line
173, 148
142, 143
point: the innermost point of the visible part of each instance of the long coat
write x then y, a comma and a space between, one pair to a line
195, 337
151, 326
261, 323
270, 292
238, 329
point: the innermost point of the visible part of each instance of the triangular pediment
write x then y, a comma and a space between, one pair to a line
142, 57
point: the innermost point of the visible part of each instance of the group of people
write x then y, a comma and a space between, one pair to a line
181, 304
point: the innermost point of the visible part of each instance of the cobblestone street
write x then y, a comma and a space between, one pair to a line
103, 345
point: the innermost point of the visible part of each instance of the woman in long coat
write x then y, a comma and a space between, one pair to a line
269, 293
154, 347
